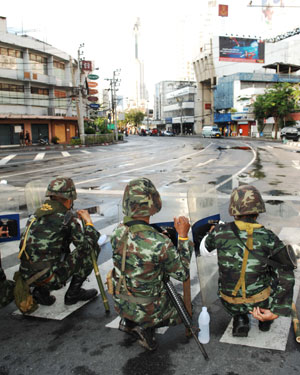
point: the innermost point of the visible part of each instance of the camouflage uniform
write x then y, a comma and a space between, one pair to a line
49, 238
258, 275
6, 289
150, 256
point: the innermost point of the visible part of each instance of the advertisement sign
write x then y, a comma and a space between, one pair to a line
92, 84
93, 91
93, 77
87, 66
92, 98
94, 105
241, 49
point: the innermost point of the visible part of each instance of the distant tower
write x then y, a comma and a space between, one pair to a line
140, 91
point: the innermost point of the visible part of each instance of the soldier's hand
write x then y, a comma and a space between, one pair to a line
182, 226
263, 314
84, 215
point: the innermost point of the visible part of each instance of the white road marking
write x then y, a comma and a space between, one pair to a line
85, 152
206, 162
6, 159
144, 167
296, 164
240, 171
40, 156
65, 154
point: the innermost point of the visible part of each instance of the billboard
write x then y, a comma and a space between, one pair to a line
241, 49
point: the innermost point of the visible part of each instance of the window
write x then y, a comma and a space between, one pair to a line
10, 52
39, 91
9, 87
58, 65
37, 58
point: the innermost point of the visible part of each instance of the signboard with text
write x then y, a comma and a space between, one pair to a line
87, 65
241, 49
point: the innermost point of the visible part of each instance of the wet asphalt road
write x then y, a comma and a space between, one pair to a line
81, 344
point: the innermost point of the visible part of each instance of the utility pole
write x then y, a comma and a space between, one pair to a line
114, 82
79, 105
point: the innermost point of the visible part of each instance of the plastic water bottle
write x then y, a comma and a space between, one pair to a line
203, 322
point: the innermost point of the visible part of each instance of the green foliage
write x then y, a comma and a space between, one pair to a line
134, 117
55, 140
277, 101
89, 130
75, 142
93, 139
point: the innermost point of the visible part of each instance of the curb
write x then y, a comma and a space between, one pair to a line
293, 144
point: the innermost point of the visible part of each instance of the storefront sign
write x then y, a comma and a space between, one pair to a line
92, 84
93, 92
93, 77
94, 105
92, 98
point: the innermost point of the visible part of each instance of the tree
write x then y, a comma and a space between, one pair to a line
277, 102
134, 116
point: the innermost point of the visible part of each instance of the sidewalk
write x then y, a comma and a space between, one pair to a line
36, 147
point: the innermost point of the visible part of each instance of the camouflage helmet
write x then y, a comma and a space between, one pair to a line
141, 198
246, 200
62, 187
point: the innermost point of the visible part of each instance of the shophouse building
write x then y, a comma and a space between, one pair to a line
38, 89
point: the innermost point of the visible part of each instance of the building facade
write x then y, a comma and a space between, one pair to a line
173, 104
230, 76
38, 89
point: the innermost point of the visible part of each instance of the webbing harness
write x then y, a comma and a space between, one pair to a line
122, 280
22, 250
248, 227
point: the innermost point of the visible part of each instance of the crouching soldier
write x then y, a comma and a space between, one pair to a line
255, 268
46, 260
142, 257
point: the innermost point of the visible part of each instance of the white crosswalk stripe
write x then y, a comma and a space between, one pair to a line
7, 158
65, 154
40, 156
85, 152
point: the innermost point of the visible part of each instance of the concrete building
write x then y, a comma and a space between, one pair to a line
227, 86
38, 89
173, 100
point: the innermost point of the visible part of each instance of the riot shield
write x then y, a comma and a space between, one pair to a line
204, 212
34, 195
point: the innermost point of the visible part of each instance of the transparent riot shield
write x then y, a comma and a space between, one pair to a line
9, 212
204, 212
34, 195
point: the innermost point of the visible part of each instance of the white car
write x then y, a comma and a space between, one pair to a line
168, 133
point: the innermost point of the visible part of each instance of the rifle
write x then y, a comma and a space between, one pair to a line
99, 281
183, 313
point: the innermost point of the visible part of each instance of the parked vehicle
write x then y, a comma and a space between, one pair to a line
168, 133
211, 131
290, 132
154, 131
43, 140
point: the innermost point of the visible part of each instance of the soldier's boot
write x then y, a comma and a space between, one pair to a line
126, 325
42, 296
146, 337
75, 293
265, 326
240, 325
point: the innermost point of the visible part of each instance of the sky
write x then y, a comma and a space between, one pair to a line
106, 29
